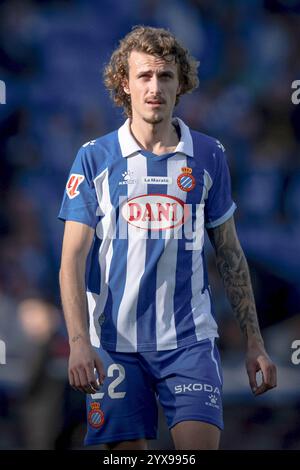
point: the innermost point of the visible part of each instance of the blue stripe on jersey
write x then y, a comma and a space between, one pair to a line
93, 275
117, 273
184, 321
146, 307
205, 276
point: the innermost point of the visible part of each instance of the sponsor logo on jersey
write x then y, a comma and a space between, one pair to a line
72, 185
157, 180
155, 211
95, 416
185, 180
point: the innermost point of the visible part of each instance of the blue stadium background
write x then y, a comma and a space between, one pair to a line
51, 59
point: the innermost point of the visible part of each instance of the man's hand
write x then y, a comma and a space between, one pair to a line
258, 360
82, 364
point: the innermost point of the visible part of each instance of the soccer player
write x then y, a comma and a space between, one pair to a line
133, 279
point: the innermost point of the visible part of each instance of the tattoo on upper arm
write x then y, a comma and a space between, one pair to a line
233, 269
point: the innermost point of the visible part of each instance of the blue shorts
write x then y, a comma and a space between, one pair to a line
187, 382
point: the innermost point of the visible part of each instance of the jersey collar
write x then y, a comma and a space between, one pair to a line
129, 145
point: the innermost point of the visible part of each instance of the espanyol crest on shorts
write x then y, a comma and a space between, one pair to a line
185, 180
95, 416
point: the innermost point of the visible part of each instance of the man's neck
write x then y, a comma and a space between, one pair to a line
158, 138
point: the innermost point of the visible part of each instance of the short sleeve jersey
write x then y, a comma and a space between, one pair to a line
146, 282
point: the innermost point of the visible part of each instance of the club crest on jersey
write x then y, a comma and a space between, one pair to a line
185, 180
155, 212
95, 416
72, 185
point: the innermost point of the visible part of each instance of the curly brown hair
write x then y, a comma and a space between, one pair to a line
155, 41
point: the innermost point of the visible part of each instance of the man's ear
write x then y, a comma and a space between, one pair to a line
126, 87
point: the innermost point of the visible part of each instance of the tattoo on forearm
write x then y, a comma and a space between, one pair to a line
233, 269
76, 338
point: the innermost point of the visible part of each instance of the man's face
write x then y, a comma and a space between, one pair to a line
153, 85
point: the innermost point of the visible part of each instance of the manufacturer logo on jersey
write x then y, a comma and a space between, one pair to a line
212, 401
185, 180
127, 178
72, 185
157, 180
155, 211
95, 416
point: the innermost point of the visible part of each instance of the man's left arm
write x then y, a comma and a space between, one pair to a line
234, 271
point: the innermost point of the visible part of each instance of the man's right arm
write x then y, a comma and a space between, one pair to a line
83, 359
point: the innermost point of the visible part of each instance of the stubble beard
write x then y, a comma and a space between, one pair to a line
153, 119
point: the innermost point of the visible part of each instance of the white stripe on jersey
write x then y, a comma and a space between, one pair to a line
136, 260
207, 185
205, 325
166, 271
92, 300
105, 230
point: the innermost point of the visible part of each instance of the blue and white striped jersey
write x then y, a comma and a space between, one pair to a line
147, 285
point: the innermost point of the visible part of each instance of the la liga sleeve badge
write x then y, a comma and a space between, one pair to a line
72, 185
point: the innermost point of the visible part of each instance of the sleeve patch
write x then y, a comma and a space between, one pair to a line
72, 185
